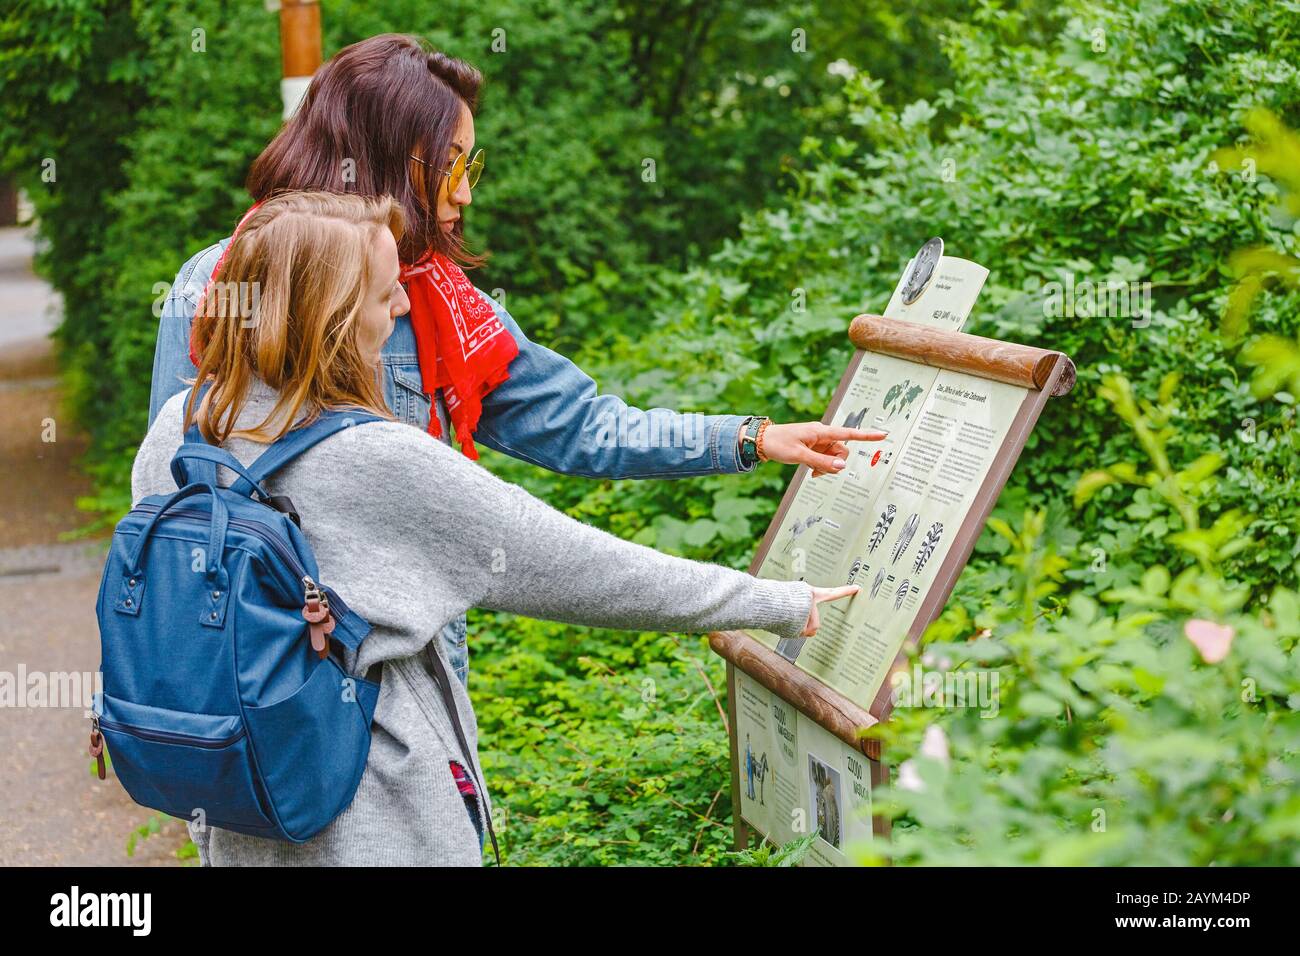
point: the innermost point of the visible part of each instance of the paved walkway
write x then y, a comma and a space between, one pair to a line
52, 810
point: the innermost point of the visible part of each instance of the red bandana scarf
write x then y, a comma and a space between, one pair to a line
462, 346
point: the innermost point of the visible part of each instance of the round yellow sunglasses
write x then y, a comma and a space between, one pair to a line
473, 168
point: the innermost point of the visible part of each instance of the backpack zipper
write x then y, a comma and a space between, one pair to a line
316, 612
167, 736
259, 531
97, 746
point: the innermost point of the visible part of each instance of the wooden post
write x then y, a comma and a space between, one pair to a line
300, 50
8, 202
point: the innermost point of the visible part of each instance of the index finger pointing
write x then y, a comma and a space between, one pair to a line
836, 594
839, 433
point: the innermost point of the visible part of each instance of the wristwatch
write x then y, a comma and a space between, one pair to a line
749, 430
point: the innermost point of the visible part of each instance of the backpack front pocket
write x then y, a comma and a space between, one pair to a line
191, 766
312, 747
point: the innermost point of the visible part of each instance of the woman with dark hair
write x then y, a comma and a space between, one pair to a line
388, 116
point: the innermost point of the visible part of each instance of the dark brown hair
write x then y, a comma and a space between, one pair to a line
375, 103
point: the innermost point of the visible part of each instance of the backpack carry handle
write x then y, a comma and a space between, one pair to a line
216, 539
192, 451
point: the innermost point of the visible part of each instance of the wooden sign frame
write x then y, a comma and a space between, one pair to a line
1045, 374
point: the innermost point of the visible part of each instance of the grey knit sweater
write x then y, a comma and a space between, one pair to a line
411, 533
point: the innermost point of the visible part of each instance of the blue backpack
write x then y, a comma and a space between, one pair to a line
222, 694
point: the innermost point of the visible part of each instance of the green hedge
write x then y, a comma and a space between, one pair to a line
152, 112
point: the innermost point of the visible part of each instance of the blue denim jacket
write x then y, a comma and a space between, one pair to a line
547, 412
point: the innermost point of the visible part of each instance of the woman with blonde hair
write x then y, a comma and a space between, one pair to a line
411, 533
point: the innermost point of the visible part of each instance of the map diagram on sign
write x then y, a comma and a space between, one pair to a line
899, 401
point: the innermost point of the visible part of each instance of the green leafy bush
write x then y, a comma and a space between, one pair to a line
1089, 156
152, 112
1163, 730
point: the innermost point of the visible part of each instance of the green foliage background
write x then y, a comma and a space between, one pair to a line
1076, 138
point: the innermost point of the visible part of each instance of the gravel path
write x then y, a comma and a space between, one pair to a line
52, 810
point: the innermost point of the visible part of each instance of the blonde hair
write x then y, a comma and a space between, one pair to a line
285, 306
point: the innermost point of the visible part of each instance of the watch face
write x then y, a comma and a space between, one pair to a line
749, 441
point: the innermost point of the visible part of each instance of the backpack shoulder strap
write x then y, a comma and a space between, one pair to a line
197, 461
289, 447
187, 469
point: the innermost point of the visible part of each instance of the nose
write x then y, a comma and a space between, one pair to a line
402, 303
463, 195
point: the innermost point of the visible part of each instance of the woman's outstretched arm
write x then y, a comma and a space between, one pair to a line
515, 553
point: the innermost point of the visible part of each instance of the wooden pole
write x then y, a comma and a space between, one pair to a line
300, 50
8, 202
1022, 365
